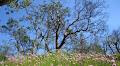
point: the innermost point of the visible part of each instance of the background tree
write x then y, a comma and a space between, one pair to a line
18, 34
113, 41
80, 44
16, 3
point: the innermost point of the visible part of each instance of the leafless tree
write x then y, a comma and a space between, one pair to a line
88, 17
114, 41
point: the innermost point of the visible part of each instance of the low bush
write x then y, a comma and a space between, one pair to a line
2, 57
117, 56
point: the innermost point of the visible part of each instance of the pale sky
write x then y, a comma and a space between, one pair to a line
113, 11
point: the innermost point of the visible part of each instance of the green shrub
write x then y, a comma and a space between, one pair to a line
2, 57
117, 56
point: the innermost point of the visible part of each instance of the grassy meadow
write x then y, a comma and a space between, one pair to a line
56, 60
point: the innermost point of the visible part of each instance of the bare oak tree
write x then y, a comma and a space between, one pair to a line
114, 41
88, 17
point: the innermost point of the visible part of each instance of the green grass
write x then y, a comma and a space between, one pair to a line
118, 63
56, 60
88, 62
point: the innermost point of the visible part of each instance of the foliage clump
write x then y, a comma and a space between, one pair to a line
2, 57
